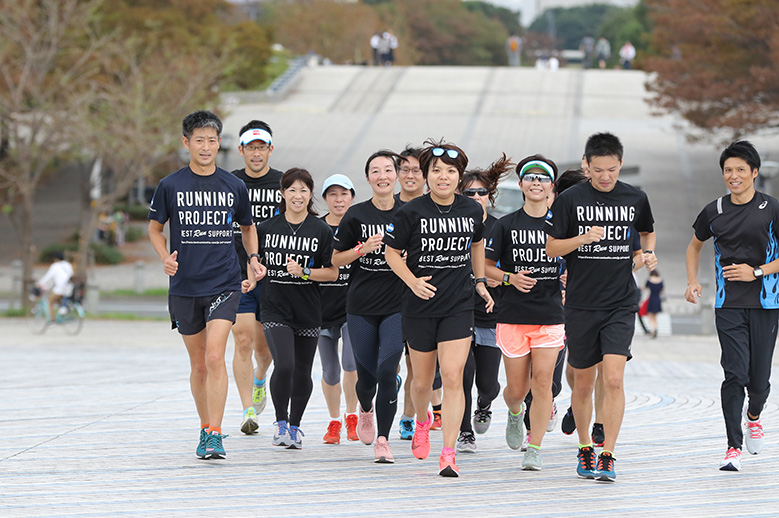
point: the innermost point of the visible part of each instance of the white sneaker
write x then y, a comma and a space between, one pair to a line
525, 442
552, 419
732, 460
249, 424
754, 437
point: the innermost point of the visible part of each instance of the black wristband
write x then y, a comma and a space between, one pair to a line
254, 255
482, 280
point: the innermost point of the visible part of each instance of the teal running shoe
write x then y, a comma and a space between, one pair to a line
214, 447
201, 445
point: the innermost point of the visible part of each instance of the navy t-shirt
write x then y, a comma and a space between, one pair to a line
600, 274
374, 289
287, 298
265, 197
438, 240
518, 243
334, 293
743, 234
201, 211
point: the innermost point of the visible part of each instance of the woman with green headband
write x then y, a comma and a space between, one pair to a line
530, 316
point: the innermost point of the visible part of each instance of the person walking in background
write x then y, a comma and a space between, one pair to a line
200, 203
375, 40
514, 50
745, 228
655, 305
297, 249
587, 47
627, 54
603, 50
338, 192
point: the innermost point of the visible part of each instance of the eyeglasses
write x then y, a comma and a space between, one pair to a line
414, 170
256, 147
540, 178
481, 191
451, 153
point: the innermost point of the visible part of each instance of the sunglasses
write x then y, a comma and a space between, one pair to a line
481, 191
540, 178
451, 153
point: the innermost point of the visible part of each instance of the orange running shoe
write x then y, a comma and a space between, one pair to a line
351, 427
436, 420
333, 435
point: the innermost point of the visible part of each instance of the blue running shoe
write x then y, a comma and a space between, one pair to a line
606, 467
295, 438
586, 466
281, 434
201, 445
214, 448
406, 429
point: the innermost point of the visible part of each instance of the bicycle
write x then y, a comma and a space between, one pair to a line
70, 313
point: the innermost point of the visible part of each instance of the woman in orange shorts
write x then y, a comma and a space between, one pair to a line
530, 316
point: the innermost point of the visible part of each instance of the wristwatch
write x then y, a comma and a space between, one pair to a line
254, 255
482, 280
758, 272
506, 280
649, 252
306, 273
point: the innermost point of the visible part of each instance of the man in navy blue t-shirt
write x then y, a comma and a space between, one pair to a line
745, 228
200, 203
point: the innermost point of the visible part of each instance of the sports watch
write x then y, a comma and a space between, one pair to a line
758, 272
506, 280
306, 273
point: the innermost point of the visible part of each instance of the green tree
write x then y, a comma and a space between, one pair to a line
572, 24
508, 18
717, 64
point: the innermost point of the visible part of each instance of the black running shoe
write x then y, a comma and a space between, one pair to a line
568, 426
597, 435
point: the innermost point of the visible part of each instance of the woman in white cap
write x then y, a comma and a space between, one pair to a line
373, 303
530, 316
338, 193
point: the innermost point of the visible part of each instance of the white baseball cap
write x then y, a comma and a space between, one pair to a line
338, 179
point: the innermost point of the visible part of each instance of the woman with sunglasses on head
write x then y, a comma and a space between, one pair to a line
442, 232
484, 357
530, 319
296, 247
373, 303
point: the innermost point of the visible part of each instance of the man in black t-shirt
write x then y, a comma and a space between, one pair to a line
591, 225
745, 228
262, 182
200, 202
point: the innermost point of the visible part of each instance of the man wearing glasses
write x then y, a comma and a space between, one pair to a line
591, 225
256, 148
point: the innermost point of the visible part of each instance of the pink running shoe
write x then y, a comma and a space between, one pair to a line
420, 443
446, 465
382, 451
365, 429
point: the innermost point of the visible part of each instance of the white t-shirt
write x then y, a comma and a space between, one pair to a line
58, 277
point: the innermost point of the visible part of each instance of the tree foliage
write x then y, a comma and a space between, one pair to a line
508, 18
717, 63
572, 24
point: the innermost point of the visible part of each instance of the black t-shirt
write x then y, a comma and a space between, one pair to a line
201, 211
286, 298
600, 274
265, 197
743, 234
518, 243
438, 240
374, 289
480, 316
334, 293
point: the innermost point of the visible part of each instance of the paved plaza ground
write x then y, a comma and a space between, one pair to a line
103, 424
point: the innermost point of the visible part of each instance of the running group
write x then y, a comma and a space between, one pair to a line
427, 274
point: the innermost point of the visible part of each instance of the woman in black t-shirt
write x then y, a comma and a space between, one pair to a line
296, 247
531, 326
484, 357
338, 192
442, 232
373, 303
